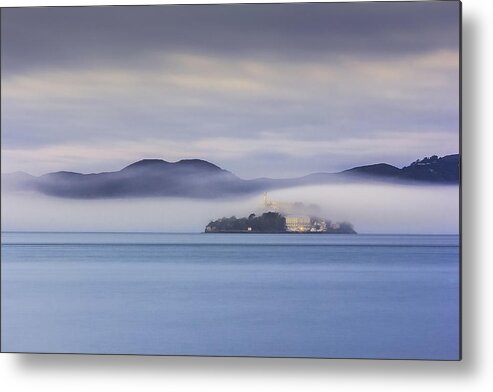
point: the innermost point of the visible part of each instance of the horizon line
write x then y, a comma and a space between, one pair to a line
199, 232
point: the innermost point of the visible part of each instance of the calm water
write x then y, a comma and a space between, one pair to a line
231, 294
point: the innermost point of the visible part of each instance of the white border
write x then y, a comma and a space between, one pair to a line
120, 373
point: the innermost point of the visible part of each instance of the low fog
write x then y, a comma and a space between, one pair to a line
371, 208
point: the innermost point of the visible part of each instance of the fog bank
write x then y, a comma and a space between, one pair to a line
371, 208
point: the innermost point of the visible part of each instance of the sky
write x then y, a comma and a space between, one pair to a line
277, 90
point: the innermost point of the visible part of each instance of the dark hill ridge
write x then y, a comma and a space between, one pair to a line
378, 169
431, 170
195, 178
159, 164
146, 178
445, 169
147, 164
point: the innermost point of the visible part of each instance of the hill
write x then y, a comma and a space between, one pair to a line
195, 178
429, 170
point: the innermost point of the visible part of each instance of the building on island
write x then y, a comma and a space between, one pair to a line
299, 223
296, 221
274, 205
304, 223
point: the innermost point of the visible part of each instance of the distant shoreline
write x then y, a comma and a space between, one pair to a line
202, 232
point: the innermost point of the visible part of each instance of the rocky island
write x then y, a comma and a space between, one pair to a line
275, 222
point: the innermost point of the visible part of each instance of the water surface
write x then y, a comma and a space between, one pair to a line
346, 296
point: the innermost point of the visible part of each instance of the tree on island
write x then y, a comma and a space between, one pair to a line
269, 222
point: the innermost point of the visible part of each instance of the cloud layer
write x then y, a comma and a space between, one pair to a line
262, 90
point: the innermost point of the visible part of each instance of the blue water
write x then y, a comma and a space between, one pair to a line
360, 296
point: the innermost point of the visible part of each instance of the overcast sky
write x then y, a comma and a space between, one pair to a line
261, 90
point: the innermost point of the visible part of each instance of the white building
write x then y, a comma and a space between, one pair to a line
298, 223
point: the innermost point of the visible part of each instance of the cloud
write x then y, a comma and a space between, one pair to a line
121, 84
34, 38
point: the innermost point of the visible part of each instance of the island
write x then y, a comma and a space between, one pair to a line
275, 222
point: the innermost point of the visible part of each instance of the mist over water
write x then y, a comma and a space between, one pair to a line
371, 208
